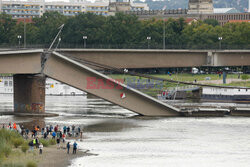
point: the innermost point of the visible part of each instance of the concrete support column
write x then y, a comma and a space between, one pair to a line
29, 93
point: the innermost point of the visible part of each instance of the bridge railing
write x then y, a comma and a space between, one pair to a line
132, 46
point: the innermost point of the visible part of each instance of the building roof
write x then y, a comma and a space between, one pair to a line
225, 10
190, 20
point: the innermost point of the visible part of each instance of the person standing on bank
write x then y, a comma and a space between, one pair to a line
40, 148
68, 147
37, 142
74, 147
53, 135
58, 143
73, 130
64, 129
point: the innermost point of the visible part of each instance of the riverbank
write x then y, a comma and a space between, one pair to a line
54, 157
14, 151
51, 157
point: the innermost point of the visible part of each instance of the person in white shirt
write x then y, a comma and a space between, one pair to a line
41, 148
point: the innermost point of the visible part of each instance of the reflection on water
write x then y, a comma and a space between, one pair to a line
109, 126
120, 139
27, 122
34, 122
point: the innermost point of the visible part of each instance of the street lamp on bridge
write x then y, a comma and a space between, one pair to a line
59, 41
19, 40
148, 39
84, 40
220, 39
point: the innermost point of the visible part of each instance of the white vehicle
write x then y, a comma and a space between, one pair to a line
195, 70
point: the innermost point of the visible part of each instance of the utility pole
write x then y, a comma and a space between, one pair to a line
24, 33
164, 27
164, 34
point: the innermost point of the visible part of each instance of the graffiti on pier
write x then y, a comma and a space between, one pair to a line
34, 107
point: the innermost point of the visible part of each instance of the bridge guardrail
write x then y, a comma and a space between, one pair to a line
131, 46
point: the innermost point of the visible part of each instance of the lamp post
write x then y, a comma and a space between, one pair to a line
164, 34
84, 40
220, 39
24, 33
19, 40
164, 27
59, 41
148, 38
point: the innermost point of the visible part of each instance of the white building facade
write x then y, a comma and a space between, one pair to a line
200, 7
53, 87
36, 8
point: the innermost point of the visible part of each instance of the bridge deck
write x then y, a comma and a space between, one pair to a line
153, 58
20, 62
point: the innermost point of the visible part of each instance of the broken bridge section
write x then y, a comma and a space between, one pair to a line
70, 72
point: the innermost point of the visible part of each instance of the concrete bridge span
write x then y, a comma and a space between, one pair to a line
20, 62
136, 58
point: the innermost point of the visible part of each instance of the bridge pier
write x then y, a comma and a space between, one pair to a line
29, 93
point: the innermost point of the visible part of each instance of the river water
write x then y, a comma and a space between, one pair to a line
118, 137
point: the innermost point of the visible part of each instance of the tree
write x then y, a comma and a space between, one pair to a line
201, 36
236, 35
121, 29
6, 25
88, 24
212, 22
48, 26
245, 77
124, 31
174, 30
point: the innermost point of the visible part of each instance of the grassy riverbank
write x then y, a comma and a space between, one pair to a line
200, 78
14, 152
8, 141
241, 84
180, 77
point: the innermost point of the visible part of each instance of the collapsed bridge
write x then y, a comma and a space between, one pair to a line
31, 67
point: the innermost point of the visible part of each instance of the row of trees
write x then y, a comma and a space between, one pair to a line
123, 31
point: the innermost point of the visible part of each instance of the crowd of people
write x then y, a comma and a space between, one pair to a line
57, 133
